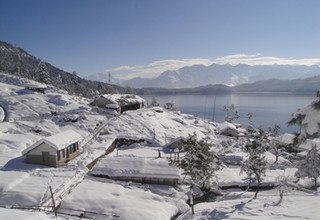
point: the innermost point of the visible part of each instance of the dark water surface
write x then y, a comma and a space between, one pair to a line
267, 108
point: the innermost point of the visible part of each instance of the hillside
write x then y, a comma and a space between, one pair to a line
18, 62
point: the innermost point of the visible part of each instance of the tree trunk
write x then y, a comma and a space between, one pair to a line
258, 188
315, 183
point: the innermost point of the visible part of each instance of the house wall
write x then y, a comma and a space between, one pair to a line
64, 160
143, 180
130, 107
35, 155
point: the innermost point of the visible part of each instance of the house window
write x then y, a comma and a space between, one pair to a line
74, 147
63, 153
58, 154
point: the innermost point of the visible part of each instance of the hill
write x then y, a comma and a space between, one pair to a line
18, 62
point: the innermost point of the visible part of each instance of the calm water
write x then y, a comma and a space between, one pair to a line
267, 109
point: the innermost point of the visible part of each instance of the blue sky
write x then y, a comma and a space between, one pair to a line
94, 35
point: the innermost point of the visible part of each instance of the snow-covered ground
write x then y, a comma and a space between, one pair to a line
24, 185
240, 205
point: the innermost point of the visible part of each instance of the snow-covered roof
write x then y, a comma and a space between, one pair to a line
135, 167
58, 141
35, 85
285, 139
112, 106
123, 99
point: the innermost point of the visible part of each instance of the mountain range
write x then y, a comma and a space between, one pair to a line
212, 79
298, 86
200, 75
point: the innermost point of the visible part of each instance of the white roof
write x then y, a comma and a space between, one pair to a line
123, 99
135, 167
58, 141
285, 139
36, 85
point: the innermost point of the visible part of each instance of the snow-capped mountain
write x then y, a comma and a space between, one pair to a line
199, 75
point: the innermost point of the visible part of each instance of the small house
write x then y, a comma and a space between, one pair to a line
177, 143
55, 150
36, 87
119, 102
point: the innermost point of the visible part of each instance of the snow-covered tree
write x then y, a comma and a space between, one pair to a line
231, 114
308, 119
200, 162
275, 146
310, 166
154, 102
256, 164
43, 73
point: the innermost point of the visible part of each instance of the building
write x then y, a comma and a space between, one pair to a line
36, 87
55, 150
137, 169
119, 102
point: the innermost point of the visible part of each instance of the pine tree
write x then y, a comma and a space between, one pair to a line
200, 162
231, 113
154, 102
43, 73
310, 166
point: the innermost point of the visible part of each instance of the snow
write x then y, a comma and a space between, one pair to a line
58, 141
135, 167
307, 145
121, 201
24, 215
227, 128
24, 184
240, 205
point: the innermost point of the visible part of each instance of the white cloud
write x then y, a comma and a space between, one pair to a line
157, 67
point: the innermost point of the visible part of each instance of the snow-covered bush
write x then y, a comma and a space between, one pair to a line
310, 166
308, 119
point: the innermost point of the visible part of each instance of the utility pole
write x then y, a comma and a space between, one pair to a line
109, 78
53, 202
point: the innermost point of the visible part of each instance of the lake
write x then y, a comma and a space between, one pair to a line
267, 109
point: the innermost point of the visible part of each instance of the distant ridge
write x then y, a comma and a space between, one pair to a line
298, 86
18, 62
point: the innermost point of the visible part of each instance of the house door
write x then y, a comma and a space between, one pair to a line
45, 157
67, 152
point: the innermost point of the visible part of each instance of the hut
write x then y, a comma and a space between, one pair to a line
119, 102
55, 150
36, 87
137, 169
